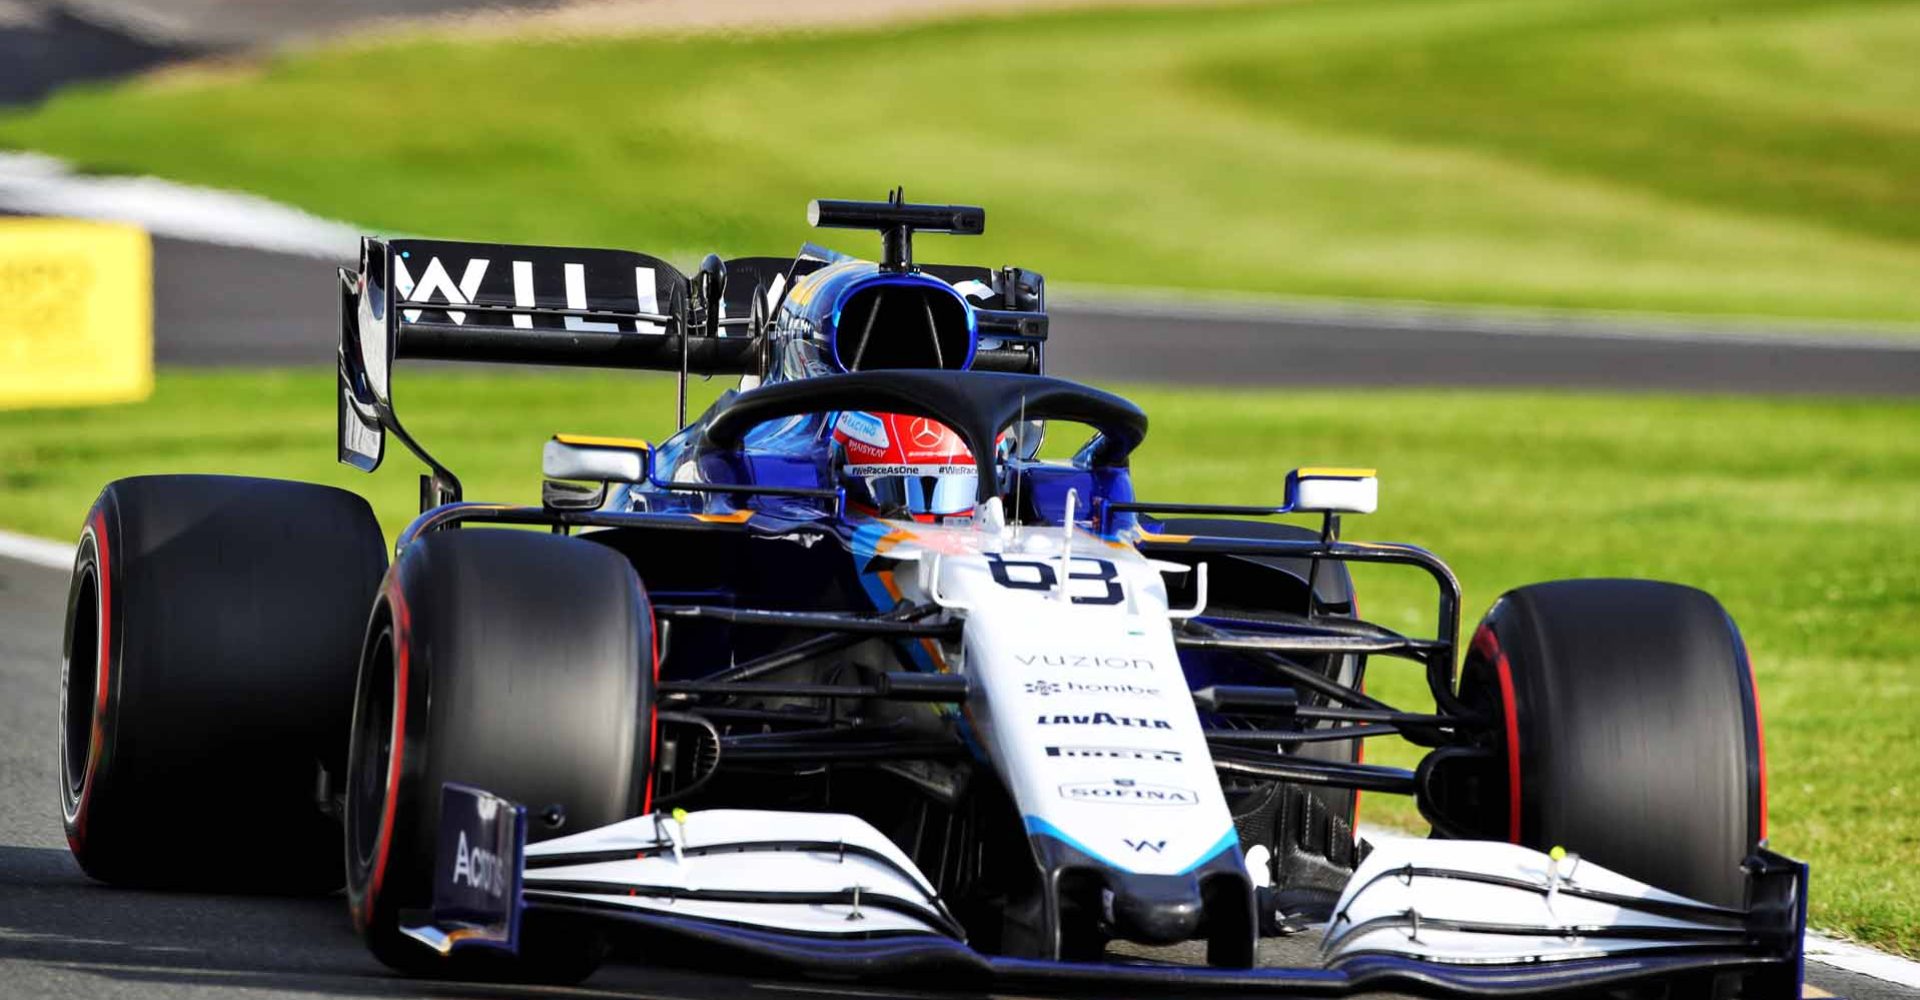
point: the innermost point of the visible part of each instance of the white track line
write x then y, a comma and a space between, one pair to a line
1862, 960
36, 551
33, 184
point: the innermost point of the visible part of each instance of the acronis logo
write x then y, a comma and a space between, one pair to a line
479, 868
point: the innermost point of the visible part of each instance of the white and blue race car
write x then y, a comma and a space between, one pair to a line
843, 677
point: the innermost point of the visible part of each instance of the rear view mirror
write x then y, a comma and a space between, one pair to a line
1333, 491
595, 459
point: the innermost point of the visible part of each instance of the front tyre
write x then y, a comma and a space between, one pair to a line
1630, 731
517, 662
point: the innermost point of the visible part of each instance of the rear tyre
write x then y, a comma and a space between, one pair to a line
213, 624
1630, 733
516, 662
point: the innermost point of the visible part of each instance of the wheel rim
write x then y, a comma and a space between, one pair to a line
372, 752
79, 687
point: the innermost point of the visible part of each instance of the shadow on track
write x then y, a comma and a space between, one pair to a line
157, 944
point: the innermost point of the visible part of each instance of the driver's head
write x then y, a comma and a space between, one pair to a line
909, 466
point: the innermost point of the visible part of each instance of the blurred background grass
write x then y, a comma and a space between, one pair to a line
1692, 155
1799, 516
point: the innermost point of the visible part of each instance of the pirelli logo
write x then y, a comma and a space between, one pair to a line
1117, 753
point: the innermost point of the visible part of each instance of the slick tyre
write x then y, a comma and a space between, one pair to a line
213, 628
516, 662
1629, 729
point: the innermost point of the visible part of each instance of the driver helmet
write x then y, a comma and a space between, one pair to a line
908, 465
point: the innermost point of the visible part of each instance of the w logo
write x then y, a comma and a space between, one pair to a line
1156, 846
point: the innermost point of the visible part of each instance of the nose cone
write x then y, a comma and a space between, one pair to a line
1157, 909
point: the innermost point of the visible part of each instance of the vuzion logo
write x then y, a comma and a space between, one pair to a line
1083, 660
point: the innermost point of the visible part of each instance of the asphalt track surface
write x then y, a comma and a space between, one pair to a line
63, 935
226, 306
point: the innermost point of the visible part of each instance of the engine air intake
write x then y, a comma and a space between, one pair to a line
903, 324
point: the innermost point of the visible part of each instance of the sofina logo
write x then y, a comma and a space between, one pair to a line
1126, 791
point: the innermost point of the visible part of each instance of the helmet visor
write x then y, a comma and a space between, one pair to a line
938, 490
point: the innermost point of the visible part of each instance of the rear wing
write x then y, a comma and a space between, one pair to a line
504, 304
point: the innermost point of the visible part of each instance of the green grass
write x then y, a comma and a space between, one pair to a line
1798, 514
1719, 156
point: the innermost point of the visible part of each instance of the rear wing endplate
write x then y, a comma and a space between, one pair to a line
505, 304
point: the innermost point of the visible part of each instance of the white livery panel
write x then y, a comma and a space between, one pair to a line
1078, 696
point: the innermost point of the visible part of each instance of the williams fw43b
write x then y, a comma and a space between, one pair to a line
842, 678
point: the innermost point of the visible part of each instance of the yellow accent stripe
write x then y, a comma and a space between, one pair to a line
1168, 539
737, 517
595, 441
1324, 472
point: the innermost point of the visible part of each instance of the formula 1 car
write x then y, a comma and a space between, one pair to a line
843, 677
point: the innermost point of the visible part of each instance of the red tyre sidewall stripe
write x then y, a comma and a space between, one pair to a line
1359, 757
1360, 746
103, 675
653, 707
1488, 646
391, 804
1759, 734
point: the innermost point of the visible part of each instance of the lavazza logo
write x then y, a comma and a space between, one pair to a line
1126, 791
1084, 660
1103, 719
1044, 688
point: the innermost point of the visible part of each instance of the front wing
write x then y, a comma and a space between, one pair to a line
827, 894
